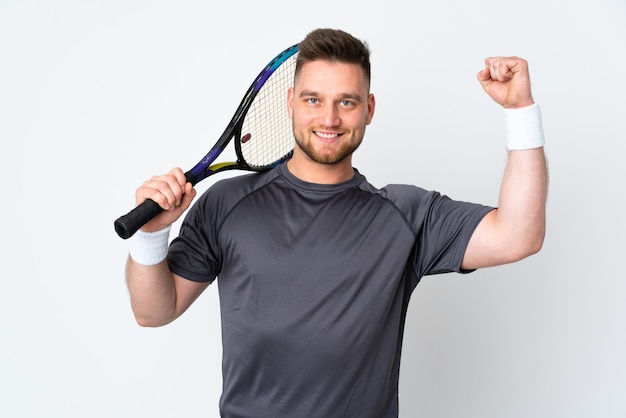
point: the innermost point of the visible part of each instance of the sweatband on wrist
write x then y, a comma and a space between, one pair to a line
149, 248
524, 128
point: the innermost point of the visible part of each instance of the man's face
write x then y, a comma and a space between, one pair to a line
330, 107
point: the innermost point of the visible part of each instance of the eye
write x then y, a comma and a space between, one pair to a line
346, 103
312, 100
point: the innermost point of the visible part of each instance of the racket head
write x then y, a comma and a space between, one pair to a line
260, 128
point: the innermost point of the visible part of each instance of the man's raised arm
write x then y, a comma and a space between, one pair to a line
516, 229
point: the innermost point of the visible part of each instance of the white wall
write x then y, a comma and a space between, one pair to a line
96, 96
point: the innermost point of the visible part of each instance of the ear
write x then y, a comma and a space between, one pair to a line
371, 106
290, 102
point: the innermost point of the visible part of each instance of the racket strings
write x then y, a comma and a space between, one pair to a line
266, 126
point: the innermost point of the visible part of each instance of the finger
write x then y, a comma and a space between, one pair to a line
484, 75
177, 172
499, 69
505, 68
188, 196
156, 190
164, 190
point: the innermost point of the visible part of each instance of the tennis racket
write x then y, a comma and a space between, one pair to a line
260, 128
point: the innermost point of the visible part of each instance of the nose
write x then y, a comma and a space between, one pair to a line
330, 116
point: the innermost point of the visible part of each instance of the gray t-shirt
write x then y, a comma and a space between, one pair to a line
314, 284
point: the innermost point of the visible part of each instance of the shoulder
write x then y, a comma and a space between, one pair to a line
411, 202
407, 197
418, 204
245, 182
219, 199
234, 188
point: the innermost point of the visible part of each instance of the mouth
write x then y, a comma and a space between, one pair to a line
327, 136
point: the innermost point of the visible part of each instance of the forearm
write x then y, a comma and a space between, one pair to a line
516, 229
522, 201
148, 277
152, 293
521, 213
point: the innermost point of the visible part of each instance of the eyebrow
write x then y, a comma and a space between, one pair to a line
343, 96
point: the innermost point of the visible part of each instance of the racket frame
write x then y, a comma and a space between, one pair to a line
203, 168
127, 225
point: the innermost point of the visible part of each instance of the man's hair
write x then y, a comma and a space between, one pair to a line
334, 45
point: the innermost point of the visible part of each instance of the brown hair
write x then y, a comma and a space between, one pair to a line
334, 45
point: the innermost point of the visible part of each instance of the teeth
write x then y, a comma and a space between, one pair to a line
327, 136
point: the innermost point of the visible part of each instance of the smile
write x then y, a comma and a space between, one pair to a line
327, 135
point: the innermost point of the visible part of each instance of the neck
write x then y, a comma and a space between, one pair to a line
313, 172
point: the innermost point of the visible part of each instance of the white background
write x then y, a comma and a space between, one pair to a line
96, 96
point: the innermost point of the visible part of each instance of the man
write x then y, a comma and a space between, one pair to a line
316, 266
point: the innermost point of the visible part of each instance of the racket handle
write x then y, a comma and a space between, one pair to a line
128, 224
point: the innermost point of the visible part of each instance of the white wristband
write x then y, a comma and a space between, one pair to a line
524, 128
149, 248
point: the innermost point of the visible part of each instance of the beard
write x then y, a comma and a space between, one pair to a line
327, 155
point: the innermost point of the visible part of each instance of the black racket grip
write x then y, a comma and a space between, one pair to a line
128, 224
